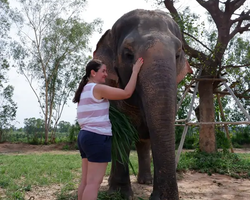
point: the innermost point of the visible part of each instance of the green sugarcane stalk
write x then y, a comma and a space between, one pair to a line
124, 134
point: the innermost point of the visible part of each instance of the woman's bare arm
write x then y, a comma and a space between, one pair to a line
112, 93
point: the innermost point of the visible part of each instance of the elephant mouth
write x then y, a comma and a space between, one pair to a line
130, 106
129, 109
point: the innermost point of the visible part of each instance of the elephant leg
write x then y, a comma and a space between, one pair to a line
155, 195
144, 159
119, 180
170, 191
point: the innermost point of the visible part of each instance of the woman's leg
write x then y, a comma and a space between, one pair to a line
95, 174
82, 185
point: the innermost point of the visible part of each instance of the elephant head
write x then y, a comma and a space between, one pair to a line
155, 37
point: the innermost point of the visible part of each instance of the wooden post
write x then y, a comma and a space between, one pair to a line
225, 125
237, 101
183, 96
186, 91
187, 123
186, 127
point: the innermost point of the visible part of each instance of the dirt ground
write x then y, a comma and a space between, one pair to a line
192, 185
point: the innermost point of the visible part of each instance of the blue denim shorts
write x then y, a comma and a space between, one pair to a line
95, 147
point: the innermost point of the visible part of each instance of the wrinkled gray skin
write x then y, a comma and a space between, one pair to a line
155, 37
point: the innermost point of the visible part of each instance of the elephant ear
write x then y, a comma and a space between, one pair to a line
104, 52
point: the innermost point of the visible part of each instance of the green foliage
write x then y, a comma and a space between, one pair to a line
66, 192
231, 164
124, 134
239, 51
192, 136
14, 136
191, 139
5, 19
63, 126
4, 183
52, 52
222, 141
7, 105
110, 196
240, 136
219, 57
18, 195
184, 107
188, 23
73, 132
34, 128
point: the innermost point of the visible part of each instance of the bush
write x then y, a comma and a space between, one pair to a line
221, 162
73, 132
191, 139
241, 136
222, 141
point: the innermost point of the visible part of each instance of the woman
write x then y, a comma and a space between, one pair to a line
94, 139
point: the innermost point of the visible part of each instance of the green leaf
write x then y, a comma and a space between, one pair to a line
124, 134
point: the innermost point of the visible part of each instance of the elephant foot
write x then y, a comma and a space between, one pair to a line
125, 191
157, 196
154, 197
144, 179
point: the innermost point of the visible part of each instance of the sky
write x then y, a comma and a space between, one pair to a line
109, 11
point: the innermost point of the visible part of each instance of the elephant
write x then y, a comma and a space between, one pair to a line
156, 37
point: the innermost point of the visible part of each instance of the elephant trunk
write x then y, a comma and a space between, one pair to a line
157, 88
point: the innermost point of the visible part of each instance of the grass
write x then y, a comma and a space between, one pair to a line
22, 173
234, 165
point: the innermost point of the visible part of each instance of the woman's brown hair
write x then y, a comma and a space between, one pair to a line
92, 65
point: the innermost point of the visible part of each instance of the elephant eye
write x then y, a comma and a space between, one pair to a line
179, 53
128, 54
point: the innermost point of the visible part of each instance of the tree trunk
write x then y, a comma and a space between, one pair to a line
46, 132
207, 141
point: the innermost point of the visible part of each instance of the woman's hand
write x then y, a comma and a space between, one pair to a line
102, 91
137, 65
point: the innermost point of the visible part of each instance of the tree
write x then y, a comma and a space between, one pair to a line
7, 105
53, 56
33, 128
63, 126
221, 49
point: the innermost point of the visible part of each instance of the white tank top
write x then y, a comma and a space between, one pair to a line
93, 114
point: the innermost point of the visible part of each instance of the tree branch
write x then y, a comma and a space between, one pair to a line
242, 16
231, 6
240, 96
213, 8
235, 66
198, 41
169, 4
240, 30
38, 99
